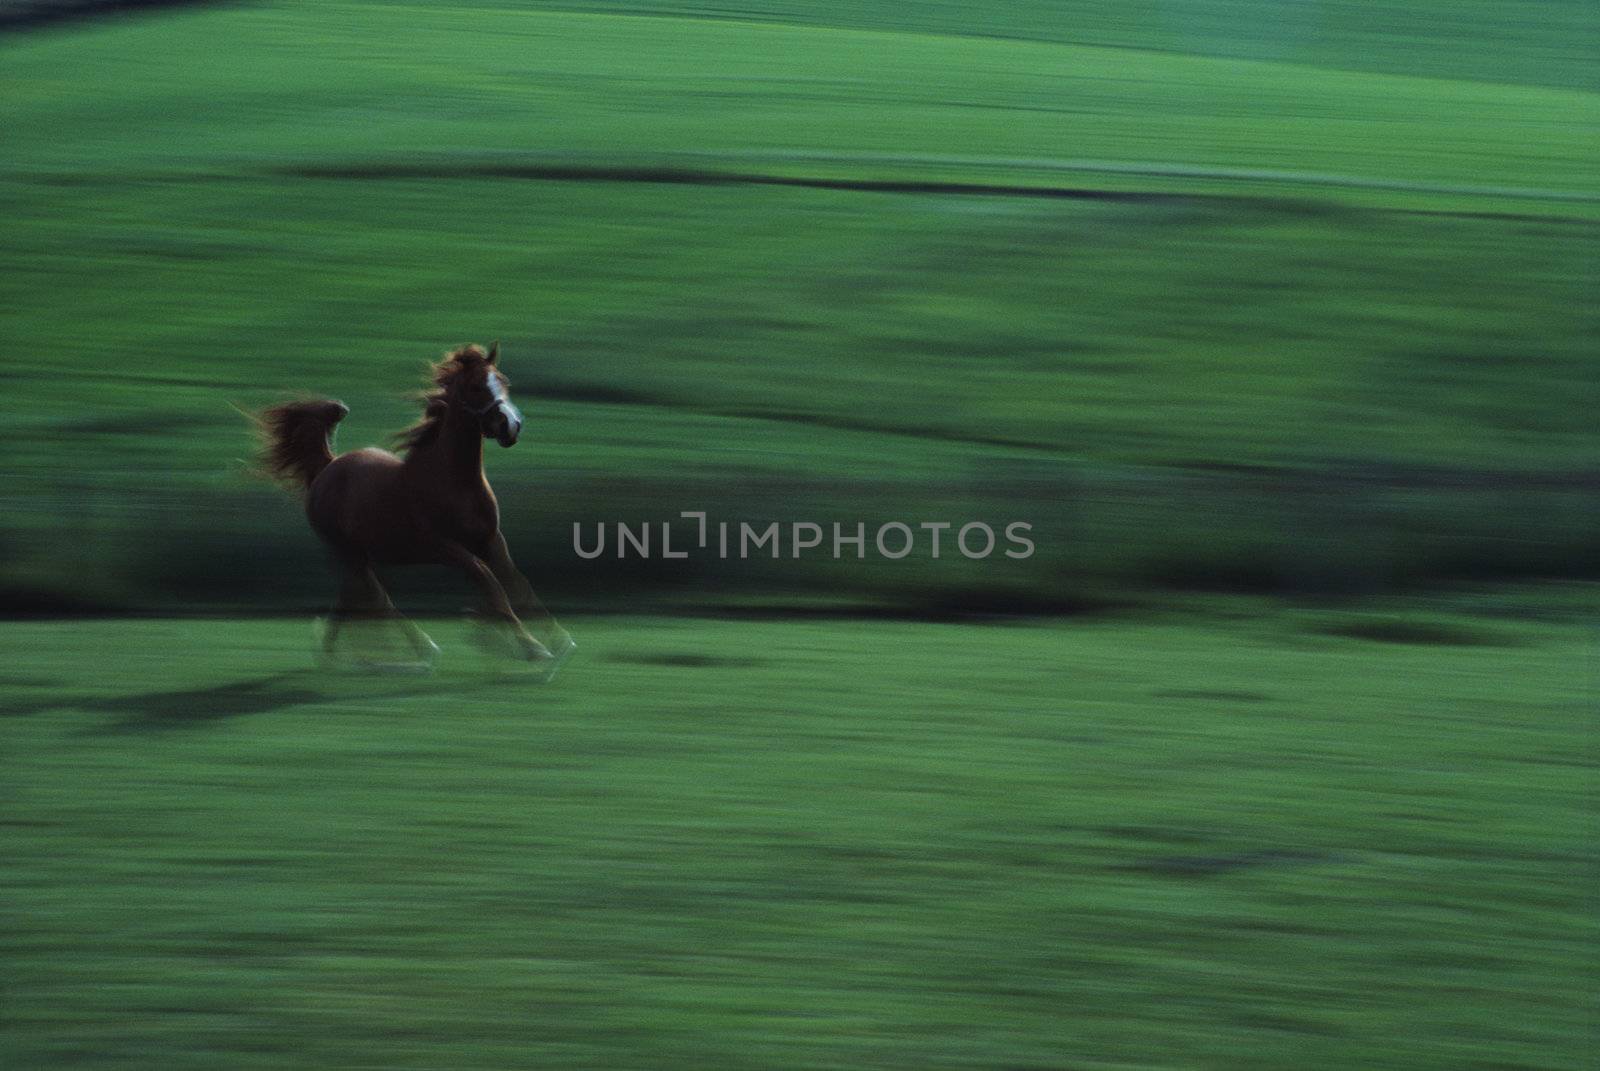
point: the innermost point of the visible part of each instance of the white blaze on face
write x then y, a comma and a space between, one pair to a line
502, 400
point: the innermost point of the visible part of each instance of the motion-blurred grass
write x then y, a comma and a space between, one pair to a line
785, 844
1303, 320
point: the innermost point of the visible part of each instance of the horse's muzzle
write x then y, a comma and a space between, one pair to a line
504, 424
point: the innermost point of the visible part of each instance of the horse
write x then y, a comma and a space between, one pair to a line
430, 505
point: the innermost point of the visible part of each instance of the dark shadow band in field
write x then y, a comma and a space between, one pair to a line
1209, 866
681, 176
192, 708
181, 706
692, 173
445, 169
562, 170
41, 13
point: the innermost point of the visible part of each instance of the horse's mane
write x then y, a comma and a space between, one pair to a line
435, 400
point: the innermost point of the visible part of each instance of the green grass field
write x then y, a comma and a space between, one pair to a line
1246, 843
1276, 322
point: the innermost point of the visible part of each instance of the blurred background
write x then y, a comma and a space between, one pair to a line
1276, 320
1278, 298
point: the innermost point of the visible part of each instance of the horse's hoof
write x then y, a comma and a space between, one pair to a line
563, 649
564, 646
321, 656
544, 662
555, 657
533, 650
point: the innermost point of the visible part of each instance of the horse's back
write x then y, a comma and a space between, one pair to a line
368, 457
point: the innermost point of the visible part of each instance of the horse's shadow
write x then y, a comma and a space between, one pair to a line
193, 707
185, 708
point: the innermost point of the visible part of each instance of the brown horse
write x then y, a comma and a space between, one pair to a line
431, 506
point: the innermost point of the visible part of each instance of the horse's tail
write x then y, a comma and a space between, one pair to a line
297, 440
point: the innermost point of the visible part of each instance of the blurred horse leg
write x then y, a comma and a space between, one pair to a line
426, 650
525, 602
362, 597
495, 601
355, 593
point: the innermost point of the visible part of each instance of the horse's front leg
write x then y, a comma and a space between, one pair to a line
494, 596
525, 602
424, 648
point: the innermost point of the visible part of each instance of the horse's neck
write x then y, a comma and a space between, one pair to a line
456, 452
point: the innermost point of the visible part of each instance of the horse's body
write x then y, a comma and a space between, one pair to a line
370, 503
431, 506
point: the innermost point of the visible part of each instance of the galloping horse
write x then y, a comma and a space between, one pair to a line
431, 506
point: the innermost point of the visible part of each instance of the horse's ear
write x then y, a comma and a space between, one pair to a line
494, 351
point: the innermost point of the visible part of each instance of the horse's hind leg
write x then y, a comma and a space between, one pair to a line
362, 597
354, 591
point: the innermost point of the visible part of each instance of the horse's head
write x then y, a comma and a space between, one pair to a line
480, 388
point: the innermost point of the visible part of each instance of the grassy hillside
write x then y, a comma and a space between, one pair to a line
1547, 42
348, 80
1280, 322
